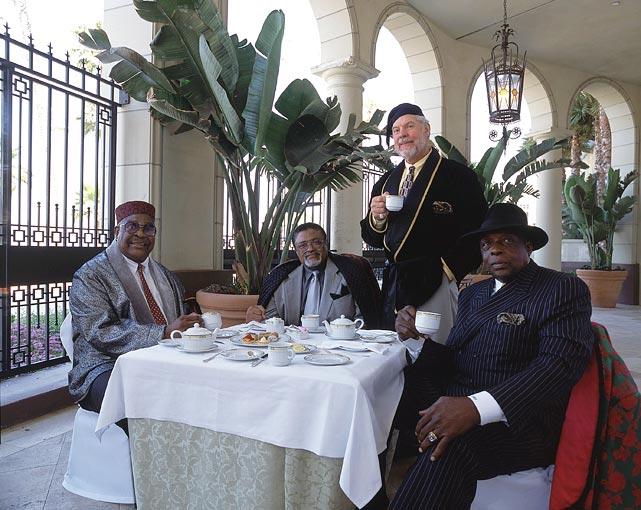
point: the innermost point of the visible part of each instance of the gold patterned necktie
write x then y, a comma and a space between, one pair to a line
409, 180
153, 306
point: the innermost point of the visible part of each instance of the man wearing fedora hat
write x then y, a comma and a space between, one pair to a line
442, 200
121, 300
492, 400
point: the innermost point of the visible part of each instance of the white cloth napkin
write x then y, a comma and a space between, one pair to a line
350, 344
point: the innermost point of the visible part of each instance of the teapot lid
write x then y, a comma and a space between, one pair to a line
196, 330
342, 321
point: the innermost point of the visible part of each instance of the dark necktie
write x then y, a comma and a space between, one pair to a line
153, 306
313, 295
409, 180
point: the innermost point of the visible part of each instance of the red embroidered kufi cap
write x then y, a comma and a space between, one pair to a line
134, 207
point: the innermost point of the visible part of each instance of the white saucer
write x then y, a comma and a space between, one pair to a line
378, 339
355, 337
308, 348
168, 342
196, 351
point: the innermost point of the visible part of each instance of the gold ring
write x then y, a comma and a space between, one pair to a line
432, 437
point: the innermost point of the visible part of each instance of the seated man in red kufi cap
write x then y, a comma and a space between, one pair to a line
121, 300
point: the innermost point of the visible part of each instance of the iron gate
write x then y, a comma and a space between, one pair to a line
58, 146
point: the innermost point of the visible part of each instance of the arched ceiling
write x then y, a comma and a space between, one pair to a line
594, 36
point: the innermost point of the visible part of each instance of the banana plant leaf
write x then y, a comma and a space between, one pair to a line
262, 87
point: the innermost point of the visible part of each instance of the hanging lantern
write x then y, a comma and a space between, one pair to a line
504, 77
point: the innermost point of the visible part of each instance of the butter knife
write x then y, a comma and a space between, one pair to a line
212, 357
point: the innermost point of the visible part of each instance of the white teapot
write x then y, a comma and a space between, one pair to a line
343, 328
195, 338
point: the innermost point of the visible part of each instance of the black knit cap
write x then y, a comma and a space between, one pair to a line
397, 112
512, 218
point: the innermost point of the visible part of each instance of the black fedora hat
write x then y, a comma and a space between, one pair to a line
512, 218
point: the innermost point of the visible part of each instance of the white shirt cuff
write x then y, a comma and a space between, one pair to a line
414, 347
489, 409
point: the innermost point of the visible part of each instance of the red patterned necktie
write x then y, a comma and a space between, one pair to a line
409, 180
153, 306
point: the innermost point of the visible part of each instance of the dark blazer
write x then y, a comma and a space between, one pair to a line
527, 345
350, 288
436, 212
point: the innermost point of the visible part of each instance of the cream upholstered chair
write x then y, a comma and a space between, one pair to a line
525, 490
98, 469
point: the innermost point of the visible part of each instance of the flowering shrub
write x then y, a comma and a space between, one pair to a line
33, 341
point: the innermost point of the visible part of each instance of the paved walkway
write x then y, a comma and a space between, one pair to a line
33, 455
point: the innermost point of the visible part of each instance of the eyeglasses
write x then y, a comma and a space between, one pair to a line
314, 243
132, 227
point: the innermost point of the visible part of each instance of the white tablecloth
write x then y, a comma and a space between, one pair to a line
334, 411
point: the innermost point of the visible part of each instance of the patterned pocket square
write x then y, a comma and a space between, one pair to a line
513, 319
442, 207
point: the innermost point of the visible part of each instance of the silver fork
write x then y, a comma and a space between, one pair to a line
258, 361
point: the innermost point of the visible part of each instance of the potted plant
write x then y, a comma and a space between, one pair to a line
596, 219
225, 88
524, 164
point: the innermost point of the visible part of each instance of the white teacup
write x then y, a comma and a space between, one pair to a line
281, 354
275, 325
310, 322
393, 202
427, 323
212, 320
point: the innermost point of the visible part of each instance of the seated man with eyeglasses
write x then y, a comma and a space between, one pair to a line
319, 283
120, 301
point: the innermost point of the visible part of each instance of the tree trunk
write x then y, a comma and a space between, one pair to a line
602, 150
575, 155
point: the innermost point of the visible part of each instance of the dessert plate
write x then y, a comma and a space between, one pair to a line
242, 354
326, 359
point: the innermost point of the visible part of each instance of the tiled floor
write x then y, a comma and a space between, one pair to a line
33, 455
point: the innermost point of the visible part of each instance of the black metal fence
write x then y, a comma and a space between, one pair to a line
58, 146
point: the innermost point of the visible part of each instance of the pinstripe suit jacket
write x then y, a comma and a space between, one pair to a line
529, 368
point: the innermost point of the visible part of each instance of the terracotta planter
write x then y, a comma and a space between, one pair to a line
232, 307
605, 286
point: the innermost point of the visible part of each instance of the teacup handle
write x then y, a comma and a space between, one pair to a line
358, 326
171, 335
290, 354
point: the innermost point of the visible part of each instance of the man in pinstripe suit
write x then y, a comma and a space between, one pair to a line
492, 400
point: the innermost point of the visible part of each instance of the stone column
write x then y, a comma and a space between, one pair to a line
345, 79
549, 207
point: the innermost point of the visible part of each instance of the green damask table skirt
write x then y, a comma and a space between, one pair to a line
179, 467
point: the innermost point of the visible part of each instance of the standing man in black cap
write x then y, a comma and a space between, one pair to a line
492, 400
442, 201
